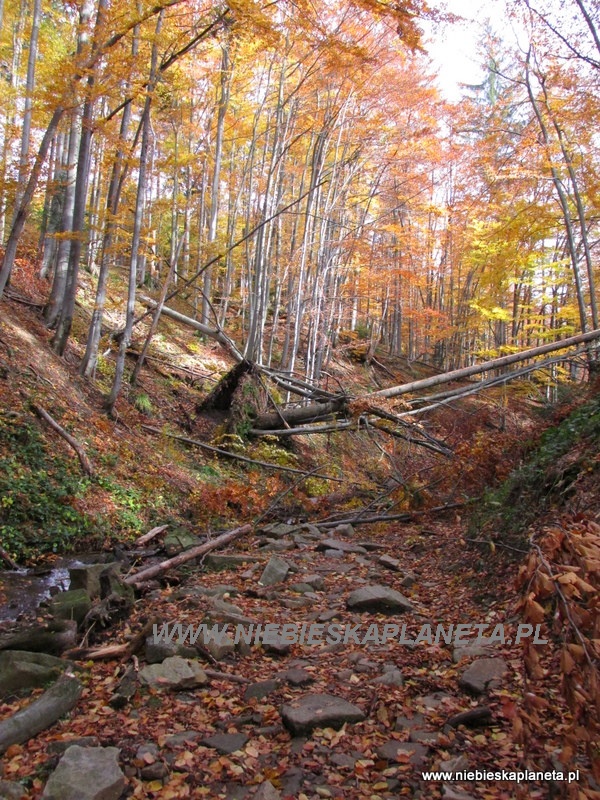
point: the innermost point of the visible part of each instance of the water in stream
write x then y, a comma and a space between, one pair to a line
22, 591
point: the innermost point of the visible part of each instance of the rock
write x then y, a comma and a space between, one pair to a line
225, 743
452, 793
343, 760
483, 674
20, 670
456, 764
334, 553
154, 772
389, 562
377, 597
408, 580
472, 718
266, 791
316, 581
174, 673
10, 790
408, 723
344, 529
275, 572
218, 561
301, 588
275, 545
222, 611
276, 643
391, 678
296, 676
87, 578
332, 613
86, 773
318, 711
179, 540
260, 689
182, 739
71, 605
112, 583
397, 751
423, 736
483, 647
279, 530
337, 544
157, 652
60, 746
221, 648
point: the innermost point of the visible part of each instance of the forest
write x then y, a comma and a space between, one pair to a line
290, 335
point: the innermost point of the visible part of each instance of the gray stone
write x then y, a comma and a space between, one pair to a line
390, 562
156, 652
333, 553
479, 647
338, 544
10, 790
154, 772
377, 597
60, 746
318, 711
404, 723
174, 673
398, 752
279, 530
275, 572
112, 583
182, 739
408, 580
87, 578
276, 545
276, 643
179, 540
483, 674
266, 791
225, 743
86, 773
261, 689
301, 588
218, 561
332, 613
296, 676
220, 647
71, 605
456, 764
423, 736
391, 678
316, 581
222, 611
344, 529
218, 590
453, 793
21, 670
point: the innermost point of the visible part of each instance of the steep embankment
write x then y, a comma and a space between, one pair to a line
232, 730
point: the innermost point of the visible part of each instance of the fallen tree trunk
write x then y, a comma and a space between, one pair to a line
318, 410
60, 698
187, 555
212, 333
86, 464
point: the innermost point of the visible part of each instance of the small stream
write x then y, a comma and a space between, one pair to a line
22, 591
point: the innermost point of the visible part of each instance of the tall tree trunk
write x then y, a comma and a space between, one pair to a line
137, 225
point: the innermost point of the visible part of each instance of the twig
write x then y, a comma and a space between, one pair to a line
86, 464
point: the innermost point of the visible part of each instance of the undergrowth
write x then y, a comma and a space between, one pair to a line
563, 455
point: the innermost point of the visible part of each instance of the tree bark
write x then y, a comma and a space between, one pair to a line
43, 712
187, 555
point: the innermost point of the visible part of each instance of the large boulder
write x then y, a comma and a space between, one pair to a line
73, 604
86, 773
20, 670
